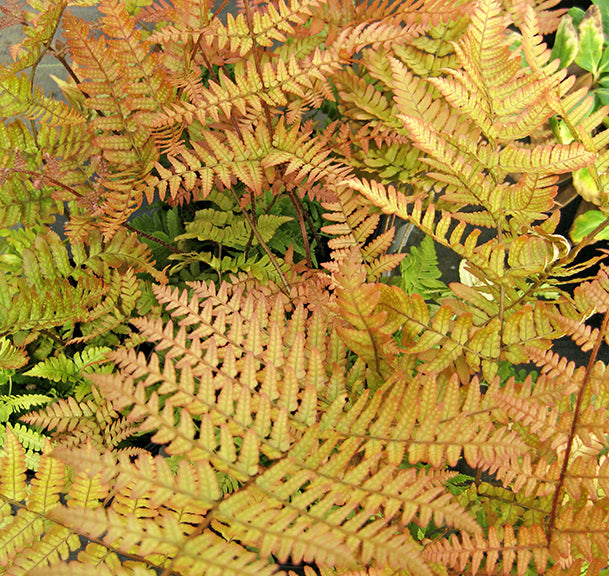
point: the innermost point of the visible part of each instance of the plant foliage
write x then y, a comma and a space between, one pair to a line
234, 383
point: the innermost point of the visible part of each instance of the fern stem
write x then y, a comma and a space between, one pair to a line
219, 9
255, 219
66, 65
312, 227
48, 179
215, 79
303, 230
45, 49
152, 238
53, 337
574, 424
264, 245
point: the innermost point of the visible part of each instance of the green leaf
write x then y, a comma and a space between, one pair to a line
586, 224
566, 44
586, 186
561, 131
577, 15
63, 369
602, 93
591, 40
603, 66
602, 90
604, 8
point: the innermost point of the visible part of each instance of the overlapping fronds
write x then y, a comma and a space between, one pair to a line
124, 86
39, 26
225, 399
21, 200
73, 371
17, 98
253, 158
355, 224
10, 356
42, 285
290, 415
238, 387
92, 420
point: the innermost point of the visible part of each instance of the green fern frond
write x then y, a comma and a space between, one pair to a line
18, 99
41, 288
14, 404
63, 369
229, 229
419, 272
32, 440
21, 200
124, 249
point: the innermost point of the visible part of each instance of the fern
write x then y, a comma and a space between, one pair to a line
32, 440
285, 413
41, 289
10, 356
16, 404
420, 273
71, 371
245, 434
215, 226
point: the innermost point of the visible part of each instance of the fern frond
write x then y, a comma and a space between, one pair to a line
124, 103
504, 548
12, 473
63, 369
26, 536
11, 357
35, 309
547, 159
91, 419
21, 200
209, 325
20, 403
39, 28
420, 273
276, 22
124, 249
307, 161
17, 98
259, 267
41, 288
36, 541
355, 224
428, 54
248, 90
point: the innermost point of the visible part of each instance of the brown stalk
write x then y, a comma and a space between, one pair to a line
574, 423
264, 245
